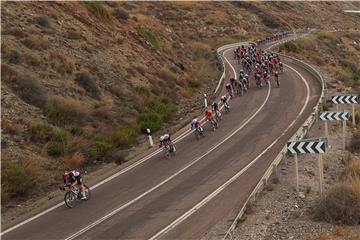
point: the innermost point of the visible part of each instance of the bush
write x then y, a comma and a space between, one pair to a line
30, 90
98, 10
354, 145
150, 120
10, 128
101, 146
289, 47
14, 57
62, 63
75, 129
167, 75
41, 132
194, 83
55, 148
88, 83
165, 109
121, 14
126, 135
201, 50
352, 168
102, 113
8, 74
143, 89
17, 32
37, 43
16, 180
65, 110
74, 35
73, 161
43, 21
150, 37
341, 205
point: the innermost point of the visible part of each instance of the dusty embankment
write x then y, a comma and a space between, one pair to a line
82, 80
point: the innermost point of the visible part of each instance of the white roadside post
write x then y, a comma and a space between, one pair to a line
297, 172
353, 115
205, 100
315, 146
151, 142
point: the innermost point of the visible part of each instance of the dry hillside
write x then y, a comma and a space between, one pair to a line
83, 79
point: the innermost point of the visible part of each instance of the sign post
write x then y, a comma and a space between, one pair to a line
313, 146
351, 99
205, 100
335, 116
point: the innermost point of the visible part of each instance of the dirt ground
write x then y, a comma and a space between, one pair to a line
281, 213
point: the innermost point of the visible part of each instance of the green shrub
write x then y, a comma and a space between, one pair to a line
88, 83
289, 47
121, 14
101, 146
75, 129
126, 135
41, 132
150, 120
194, 83
55, 148
165, 110
150, 37
143, 89
15, 181
98, 10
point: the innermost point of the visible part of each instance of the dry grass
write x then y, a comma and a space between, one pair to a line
73, 161
99, 11
200, 49
186, 92
36, 43
8, 73
66, 110
74, 35
43, 21
341, 205
16, 32
10, 128
29, 89
103, 113
167, 75
61, 63
85, 80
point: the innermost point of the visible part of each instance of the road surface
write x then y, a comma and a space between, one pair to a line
143, 202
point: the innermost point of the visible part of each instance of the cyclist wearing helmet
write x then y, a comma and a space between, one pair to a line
165, 140
74, 177
195, 123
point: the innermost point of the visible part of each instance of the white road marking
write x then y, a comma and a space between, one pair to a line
177, 139
194, 209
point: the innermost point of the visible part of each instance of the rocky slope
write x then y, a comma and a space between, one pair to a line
81, 79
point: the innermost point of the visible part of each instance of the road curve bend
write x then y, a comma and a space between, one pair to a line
183, 197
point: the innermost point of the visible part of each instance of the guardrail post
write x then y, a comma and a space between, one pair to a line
297, 173
344, 134
353, 115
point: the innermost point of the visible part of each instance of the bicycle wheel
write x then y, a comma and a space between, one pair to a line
70, 199
87, 192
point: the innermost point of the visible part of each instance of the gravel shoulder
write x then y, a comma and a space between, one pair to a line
281, 213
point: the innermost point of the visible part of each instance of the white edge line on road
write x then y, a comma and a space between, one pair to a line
112, 213
236, 176
179, 138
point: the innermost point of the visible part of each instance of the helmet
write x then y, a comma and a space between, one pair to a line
65, 175
162, 138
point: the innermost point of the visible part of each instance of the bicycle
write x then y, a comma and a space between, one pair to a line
73, 195
169, 150
199, 132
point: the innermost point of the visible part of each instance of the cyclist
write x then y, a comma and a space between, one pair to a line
210, 117
224, 100
195, 123
74, 177
165, 140
229, 89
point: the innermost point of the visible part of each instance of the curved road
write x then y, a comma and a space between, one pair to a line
169, 198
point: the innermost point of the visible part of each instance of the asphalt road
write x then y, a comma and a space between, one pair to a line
154, 194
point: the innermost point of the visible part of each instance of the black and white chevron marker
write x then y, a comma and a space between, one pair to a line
301, 147
334, 116
344, 99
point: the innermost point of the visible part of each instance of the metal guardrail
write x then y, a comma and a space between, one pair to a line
300, 133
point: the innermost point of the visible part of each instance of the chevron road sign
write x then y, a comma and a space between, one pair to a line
312, 146
344, 99
334, 116
309, 146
